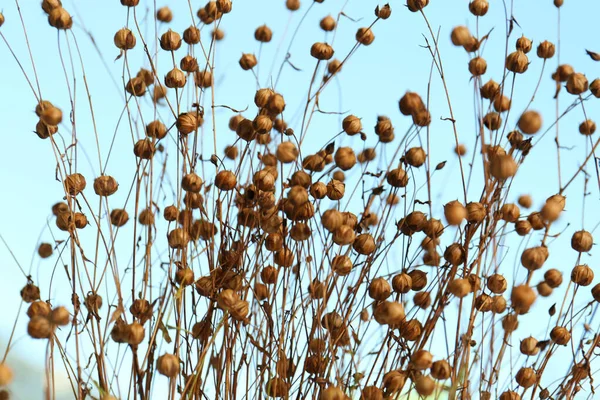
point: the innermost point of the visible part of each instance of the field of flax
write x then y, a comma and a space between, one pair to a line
300, 199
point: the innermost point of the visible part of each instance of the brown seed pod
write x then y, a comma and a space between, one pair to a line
560, 335
156, 129
335, 189
490, 89
327, 23
460, 35
40, 328
422, 300
344, 235
383, 12
44, 131
318, 190
497, 283
529, 346
587, 127
503, 167
522, 227
510, 323
191, 182
389, 313
582, 241
402, 283
371, 393
479, 7
522, 298
455, 212
596, 292
525, 201
159, 92
146, 217
415, 156
170, 41
562, 73
553, 278
136, 86
178, 238
393, 381
321, 51
124, 39
262, 124
397, 177
93, 302
144, 149
248, 61
365, 36
534, 257
475, 212
477, 66
441, 370
60, 316
74, 184
492, 121
577, 83
595, 88
384, 129
416, 5
546, 50
364, 244
455, 254
263, 34
225, 180
49, 5
582, 275
168, 365
245, 130
191, 35
80, 220
502, 104
60, 18
418, 280
517, 62
411, 103
524, 44
526, 377
558, 3
224, 6
39, 309
421, 359
544, 289
105, 185
459, 287
536, 221
552, 209
45, 250
118, 217
175, 79
345, 158
276, 104
424, 385
530, 122
379, 289
510, 212
164, 14
189, 64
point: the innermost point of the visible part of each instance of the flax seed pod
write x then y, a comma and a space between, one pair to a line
522, 298
344, 235
225, 180
397, 177
345, 158
475, 212
510, 212
379, 289
418, 280
553, 278
530, 122
335, 189
510, 323
44, 131
503, 167
402, 283
383, 12
39, 308
479, 7
168, 365
582, 241
394, 381
60, 316
45, 250
551, 210
526, 377
560, 335
327, 23
191, 35
284, 258
40, 328
321, 51
577, 83
546, 50
477, 66
490, 89
544, 289
411, 103
248, 61
587, 127
421, 359
416, 5
156, 129
595, 88
534, 257
75, 184
415, 156
497, 284
144, 149
596, 292
351, 125
459, 287
105, 185
60, 18
389, 313
263, 34
460, 35
124, 39
136, 86
175, 79
364, 244
582, 275
49, 5
341, 265
562, 73
524, 44
529, 346
118, 217
170, 41
455, 254
455, 212
318, 190
523, 227
365, 36
164, 14
371, 393
502, 104
203, 79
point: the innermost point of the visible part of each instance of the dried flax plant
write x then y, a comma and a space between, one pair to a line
269, 270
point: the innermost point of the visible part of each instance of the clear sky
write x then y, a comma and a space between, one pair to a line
370, 85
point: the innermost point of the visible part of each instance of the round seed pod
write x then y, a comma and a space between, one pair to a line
522, 298
75, 184
263, 34
415, 222
510, 323
164, 14
118, 217
460, 35
509, 395
159, 92
105, 185
351, 125
492, 121
562, 73
364, 244
248, 61
455, 254
582, 275
389, 313
39, 309
175, 78
416, 5
191, 182
530, 122
510, 212
498, 304
40, 328
544, 289
524, 44
415, 157
441, 370
475, 212
136, 334
577, 83
318, 190
60, 316
595, 88
156, 129
332, 220
383, 12
490, 89
560, 335
418, 280
433, 228
170, 41
321, 51
80, 220
144, 149
379, 289
231, 152
225, 180
344, 235
45, 131
284, 258
365, 36
402, 283
335, 189
479, 7
334, 66
558, 3
421, 359
191, 35
327, 23
431, 258
262, 96
384, 129
184, 276
345, 158
411, 330
477, 66
136, 86
262, 124
276, 104
525, 201
503, 167
146, 217
424, 385
483, 303
224, 6
168, 365
522, 227
300, 232
333, 393
397, 177
582, 241
422, 300
551, 211
497, 284
596, 292
502, 103
245, 130
60, 18
472, 45
394, 381
526, 377
124, 39
45, 250
178, 238
587, 127
546, 50
455, 212
203, 79
459, 287
553, 278
534, 257
411, 103
529, 346
49, 5
341, 265
93, 302
371, 393
517, 62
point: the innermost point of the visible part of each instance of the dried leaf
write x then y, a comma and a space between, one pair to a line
330, 148
440, 165
593, 56
165, 331
552, 310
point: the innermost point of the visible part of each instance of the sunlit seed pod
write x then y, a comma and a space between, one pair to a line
335, 189
492, 121
224, 6
384, 129
389, 313
124, 39
321, 51
497, 283
397, 177
433, 228
526, 377
156, 129
225, 180
365, 36
191, 35
45, 250
341, 265
39, 308
582, 241
231, 152
168, 365
416, 5
460, 36
484, 303
40, 328
522, 227
562, 73
263, 34
383, 12
178, 238
105, 185
558, 3
421, 359
577, 83
248, 61
534, 258
371, 393
510, 212
144, 149
415, 156
517, 62
595, 88
524, 44
499, 304
333, 393
49, 5
379, 289
364, 244
402, 283
529, 346
262, 124
424, 385
60, 316
422, 300
502, 104
551, 211
522, 298
530, 122
269, 275
300, 232
189, 64
596, 292
459, 287
441, 370
245, 130
503, 167
553, 278
262, 96
510, 323
146, 217
344, 235
284, 258
75, 184
582, 275
560, 335
477, 66
490, 90
164, 14
136, 86
421, 118
327, 23
475, 212
587, 127
546, 50
393, 381
136, 334
455, 212
479, 7
60, 18
93, 302
118, 217
411, 103
44, 131
432, 258
80, 220
455, 254
159, 92
175, 79
509, 395
170, 41
418, 280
